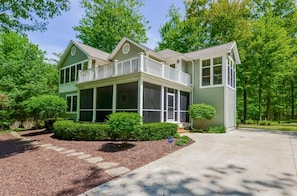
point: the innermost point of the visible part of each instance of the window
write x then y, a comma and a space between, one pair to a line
217, 70
206, 72
62, 76
67, 75
71, 103
78, 68
231, 73
73, 74
211, 72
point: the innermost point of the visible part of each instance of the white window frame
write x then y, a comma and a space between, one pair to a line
76, 75
211, 72
231, 73
71, 103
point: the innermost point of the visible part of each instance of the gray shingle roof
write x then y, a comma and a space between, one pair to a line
199, 53
93, 52
167, 53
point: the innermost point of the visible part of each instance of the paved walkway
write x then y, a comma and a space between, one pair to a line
111, 168
241, 162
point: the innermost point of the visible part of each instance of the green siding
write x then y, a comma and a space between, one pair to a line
213, 96
134, 51
79, 56
231, 108
72, 115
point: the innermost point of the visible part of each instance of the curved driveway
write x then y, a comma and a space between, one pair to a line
241, 162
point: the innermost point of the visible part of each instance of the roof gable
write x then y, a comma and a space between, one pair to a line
89, 51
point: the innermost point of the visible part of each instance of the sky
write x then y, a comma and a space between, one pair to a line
60, 29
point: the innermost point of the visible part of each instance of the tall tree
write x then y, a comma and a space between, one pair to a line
24, 15
106, 22
23, 72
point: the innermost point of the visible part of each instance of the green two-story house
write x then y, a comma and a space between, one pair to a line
158, 85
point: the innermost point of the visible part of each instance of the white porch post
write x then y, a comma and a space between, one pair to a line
115, 67
141, 61
178, 106
94, 104
140, 97
78, 106
162, 103
114, 98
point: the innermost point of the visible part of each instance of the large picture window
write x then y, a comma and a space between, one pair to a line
211, 72
231, 73
70, 73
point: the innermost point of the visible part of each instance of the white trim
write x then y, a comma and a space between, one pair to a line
71, 103
174, 109
140, 97
126, 48
94, 104
162, 103
151, 110
114, 98
73, 64
178, 105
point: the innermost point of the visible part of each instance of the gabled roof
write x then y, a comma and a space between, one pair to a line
93, 52
144, 48
87, 50
228, 47
167, 53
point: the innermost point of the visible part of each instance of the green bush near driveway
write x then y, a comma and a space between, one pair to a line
216, 129
154, 131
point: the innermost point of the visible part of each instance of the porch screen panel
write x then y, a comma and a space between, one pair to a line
127, 96
86, 105
184, 105
151, 102
103, 103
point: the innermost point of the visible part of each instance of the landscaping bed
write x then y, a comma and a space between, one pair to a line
29, 170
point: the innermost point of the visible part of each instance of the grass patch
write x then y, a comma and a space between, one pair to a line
4, 131
279, 127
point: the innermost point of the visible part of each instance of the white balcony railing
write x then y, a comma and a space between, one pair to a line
138, 64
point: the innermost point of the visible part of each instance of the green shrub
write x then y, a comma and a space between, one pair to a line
182, 141
216, 129
201, 112
122, 124
154, 131
69, 130
176, 136
264, 122
249, 121
238, 121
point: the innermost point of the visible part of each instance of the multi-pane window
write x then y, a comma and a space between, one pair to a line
212, 71
71, 103
217, 70
231, 72
206, 72
70, 74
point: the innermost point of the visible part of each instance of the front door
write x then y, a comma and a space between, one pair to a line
170, 106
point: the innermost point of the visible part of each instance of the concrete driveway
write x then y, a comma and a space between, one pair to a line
241, 162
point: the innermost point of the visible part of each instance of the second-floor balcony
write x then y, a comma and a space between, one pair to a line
133, 65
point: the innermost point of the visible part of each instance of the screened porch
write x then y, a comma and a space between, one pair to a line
154, 102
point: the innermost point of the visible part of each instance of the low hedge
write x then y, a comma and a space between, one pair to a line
154, 131
69, 130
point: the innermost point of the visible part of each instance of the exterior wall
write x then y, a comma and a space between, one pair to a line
134, 51
79, 56
230, 108
213, 96
69, 115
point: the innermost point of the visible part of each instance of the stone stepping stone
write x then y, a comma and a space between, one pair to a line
107, 165
75, 154
58, 149
35, 143
67, 151
84, 156
94, 159
51, 147
117, 171
45, 145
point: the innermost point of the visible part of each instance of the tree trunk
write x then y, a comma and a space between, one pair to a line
268, 105
292, 100
260, 95
244, 102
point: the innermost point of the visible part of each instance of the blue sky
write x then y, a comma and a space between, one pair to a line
60, 29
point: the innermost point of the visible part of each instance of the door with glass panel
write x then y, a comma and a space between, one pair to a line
170, 106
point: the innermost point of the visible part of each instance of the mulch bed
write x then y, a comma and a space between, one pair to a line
29, 170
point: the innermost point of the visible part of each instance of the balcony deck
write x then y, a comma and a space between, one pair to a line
133, 65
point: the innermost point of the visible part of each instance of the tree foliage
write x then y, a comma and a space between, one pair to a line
24, 15
106, 22
23, 72
265, 32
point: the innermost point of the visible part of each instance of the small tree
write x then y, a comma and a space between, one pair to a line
46, 107
201, 113
4, 111
122, 124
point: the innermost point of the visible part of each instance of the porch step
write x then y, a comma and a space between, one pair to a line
181, 130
